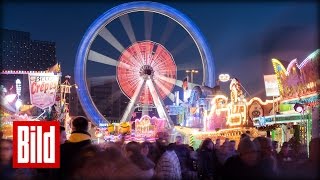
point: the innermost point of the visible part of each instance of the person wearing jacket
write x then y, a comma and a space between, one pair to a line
78, 139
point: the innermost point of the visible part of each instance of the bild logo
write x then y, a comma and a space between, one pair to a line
36, 144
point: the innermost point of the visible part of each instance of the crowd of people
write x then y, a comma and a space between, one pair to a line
252, 158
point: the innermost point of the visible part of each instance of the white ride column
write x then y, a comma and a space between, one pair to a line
132, 104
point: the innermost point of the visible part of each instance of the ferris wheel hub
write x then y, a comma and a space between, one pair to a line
146, 70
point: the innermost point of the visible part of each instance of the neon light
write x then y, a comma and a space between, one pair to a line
224, 77
311, 56
242, 115
214, 105
293, 62
261, 102
25, 72
276, 63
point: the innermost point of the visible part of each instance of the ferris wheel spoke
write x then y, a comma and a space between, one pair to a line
155, 56
100, 58
100, 80
148, 20
165, 90
130, 59
167, 79
182, 46
132, 82
106, 35
126, 23
158, 63
170, 26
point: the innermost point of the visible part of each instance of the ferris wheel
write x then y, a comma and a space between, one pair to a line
144, 60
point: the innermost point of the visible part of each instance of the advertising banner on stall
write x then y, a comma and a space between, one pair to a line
43, 88
271, 85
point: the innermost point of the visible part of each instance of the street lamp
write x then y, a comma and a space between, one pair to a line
192, 72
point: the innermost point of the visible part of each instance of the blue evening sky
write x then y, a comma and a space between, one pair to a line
243, 37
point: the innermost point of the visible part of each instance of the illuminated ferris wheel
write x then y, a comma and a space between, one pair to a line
147, 70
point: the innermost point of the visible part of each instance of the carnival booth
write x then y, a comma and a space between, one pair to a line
30, 97
226, 118
143, 129
298, 113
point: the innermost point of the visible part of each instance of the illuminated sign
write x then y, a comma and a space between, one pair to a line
271, 85
43, 89
224, 77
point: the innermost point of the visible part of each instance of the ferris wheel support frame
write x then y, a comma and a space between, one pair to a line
131, 106
83, 50
158, 102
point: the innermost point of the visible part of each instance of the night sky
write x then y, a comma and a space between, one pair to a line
243, 37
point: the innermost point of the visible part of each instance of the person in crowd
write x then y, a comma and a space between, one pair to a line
244, 165
133, 153
266, 160
179, 140
217, 145
6, 167
160, 147
183, 152
109, 163
232, 148
168, 166
275, 146
63, 135
223, 153
301, 154
294, 145
151, 151
206, 160
6, 170
310, 168
285, 153
145, 148
244, 135
78, 139
193, 157
85, 154
285, 160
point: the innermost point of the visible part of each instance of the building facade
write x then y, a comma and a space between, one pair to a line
20, 53
107, 97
